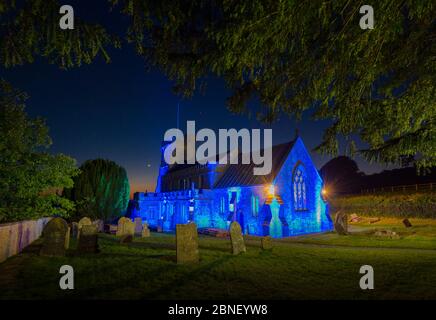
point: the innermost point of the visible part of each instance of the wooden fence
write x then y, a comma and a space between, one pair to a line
424, 187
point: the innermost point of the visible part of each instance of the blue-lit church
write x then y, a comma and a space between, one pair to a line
286, 202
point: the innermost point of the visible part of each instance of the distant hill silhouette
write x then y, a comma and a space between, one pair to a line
397, 177
341, 175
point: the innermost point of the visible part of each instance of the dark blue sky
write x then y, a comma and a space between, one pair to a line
120, 112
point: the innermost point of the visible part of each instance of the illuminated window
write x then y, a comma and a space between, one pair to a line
254, 205
232, 201
299, 185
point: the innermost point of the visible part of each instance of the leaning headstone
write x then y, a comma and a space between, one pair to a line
374, 220
159, 227
138, 226
120, 227
127, 238
99, 224
145, 231
187, 243
85, 221
88, 241
407, 223
341, 224
74, 230
55, 238
125, 227
266, 243
236, 238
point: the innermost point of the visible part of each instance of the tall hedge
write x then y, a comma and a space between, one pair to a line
418, 205
101, 191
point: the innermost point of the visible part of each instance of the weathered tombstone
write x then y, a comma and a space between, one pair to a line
145, 231
407, 223
74, 230
125, 227
88, 241
266, 243
341, 223
55, 238
113, 228
374, 220
120, 227
138, 226
236, 238
187, 243
99, 224
126, 238
85, 221
129, 228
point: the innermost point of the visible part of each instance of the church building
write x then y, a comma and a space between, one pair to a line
286, 202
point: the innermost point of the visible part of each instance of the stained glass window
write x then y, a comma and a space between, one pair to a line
299, 184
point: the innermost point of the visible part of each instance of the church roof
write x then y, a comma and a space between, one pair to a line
239, 175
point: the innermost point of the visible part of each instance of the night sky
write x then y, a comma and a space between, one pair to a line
119, 111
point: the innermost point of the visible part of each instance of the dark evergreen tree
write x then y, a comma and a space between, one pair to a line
101, 191
341, 175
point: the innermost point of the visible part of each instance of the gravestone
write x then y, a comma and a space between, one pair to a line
125, 227
187, 243
85, 221
113, 229
74, 230
236, 238
99, 224
266, 243
341, 223
145, 231
120, 227
127, 238
88, 241
407, 223
138, 227
55, 238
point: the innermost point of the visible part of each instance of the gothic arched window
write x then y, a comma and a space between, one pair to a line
299, 186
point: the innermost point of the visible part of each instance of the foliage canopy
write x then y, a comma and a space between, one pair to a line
30, 177
377, 87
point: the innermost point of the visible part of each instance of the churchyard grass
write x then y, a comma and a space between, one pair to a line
422, 235
321, 266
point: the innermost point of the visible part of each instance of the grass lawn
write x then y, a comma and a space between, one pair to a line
321, 266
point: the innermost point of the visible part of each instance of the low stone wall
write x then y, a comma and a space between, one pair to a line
15, 236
